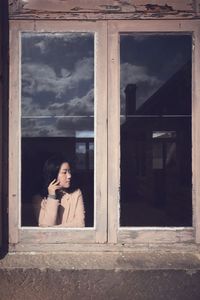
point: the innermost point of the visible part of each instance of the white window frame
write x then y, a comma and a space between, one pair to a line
19, 235
149, 235
107, 144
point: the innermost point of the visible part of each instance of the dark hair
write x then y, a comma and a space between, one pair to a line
51, 170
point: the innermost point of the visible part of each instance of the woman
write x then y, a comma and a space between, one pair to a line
61, 206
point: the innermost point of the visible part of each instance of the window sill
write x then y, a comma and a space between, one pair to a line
152, 260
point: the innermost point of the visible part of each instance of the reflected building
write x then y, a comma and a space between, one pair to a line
156, 155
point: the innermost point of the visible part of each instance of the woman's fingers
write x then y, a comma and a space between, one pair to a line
53, 186
54, 182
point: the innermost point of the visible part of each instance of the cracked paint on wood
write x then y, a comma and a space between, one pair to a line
101, 9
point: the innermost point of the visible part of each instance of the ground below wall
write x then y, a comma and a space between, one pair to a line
74, 276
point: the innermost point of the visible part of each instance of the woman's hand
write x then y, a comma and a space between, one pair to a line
53, 186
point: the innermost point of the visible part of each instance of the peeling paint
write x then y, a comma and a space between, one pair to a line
159, 8
76, 8
111, 7
126, 7
32, 14
13, 2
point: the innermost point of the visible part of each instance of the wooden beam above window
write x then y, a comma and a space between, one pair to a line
101, 9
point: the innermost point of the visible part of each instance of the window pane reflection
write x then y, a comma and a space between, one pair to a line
156, 176
57, 104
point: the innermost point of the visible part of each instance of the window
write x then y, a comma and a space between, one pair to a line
151, 179
58, 109
119, 97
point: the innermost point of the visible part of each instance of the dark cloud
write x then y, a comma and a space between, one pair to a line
150, 60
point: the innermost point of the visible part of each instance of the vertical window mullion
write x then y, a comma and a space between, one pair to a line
113, 132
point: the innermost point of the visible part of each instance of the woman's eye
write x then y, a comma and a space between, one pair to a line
65, 172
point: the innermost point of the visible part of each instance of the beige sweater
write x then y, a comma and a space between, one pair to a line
69, 212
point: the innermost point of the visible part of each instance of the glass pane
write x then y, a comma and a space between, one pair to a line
156, 175
80, 156
157, 159
57, 112
91, 155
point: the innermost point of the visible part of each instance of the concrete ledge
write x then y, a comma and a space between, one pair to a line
102, 261
49, 284
74, 276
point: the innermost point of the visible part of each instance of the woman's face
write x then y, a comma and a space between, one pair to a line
64, 175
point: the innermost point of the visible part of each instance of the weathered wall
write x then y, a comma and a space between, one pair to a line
3, 120
1, 101
100, 276
49, 284
103, 275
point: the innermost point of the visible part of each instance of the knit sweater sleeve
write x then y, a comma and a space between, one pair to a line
48, 212
77, 220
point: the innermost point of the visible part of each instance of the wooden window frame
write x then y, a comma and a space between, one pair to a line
149, 235
35, 235
106, 228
